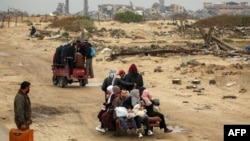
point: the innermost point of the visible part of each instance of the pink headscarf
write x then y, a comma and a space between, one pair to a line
145, 97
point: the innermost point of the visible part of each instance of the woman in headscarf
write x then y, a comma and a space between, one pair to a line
132, 101
103, 111
105, 116
114, 81
134, 77
146, 97
109, 80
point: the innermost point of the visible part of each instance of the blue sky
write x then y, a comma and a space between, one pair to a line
48, 6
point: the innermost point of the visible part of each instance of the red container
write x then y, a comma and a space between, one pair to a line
19, 135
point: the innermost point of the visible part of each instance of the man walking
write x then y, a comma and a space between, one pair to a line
22, 107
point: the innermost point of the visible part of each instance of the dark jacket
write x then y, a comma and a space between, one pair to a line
64, 53
85, 50
134, 77
22, 108
57, 59
71, 52
127, 103
117, 82
33, 31
88, 51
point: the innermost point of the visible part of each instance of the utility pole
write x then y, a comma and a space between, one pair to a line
86, 8
67, 7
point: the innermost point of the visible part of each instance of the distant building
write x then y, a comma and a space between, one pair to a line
174, 8
112, 9
227, 7
162, 5
62, 8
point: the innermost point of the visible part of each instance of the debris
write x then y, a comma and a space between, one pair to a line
212, 82
230, 84
200, 93
158, 69
154, 52
191, 87
177, 68
242, 90
197, 90
196, 82
229, 96
176, 81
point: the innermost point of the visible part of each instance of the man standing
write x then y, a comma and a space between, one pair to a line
70, 56
22, 107
89, 67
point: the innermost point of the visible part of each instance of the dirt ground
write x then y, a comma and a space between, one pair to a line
69, 114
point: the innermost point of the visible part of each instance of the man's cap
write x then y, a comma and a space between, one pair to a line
121, 72
25, 84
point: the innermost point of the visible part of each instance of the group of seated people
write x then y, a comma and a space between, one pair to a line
134, 106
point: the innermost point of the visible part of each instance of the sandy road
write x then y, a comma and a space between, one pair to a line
69, 114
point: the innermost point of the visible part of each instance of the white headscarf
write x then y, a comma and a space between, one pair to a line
112, 74
110, 89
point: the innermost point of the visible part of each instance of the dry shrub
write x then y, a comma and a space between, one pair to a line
225, 21
74, 24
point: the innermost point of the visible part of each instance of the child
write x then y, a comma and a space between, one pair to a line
139, 110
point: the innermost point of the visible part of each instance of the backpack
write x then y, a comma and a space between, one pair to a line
92, 52
64, 51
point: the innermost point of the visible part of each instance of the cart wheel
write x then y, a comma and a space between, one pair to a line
83, 82
54, 80
62, 82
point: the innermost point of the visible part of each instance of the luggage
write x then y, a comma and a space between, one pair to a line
19, 135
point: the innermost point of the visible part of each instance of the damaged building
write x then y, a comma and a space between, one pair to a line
62, 8
158, 10
227, 7
108, 10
